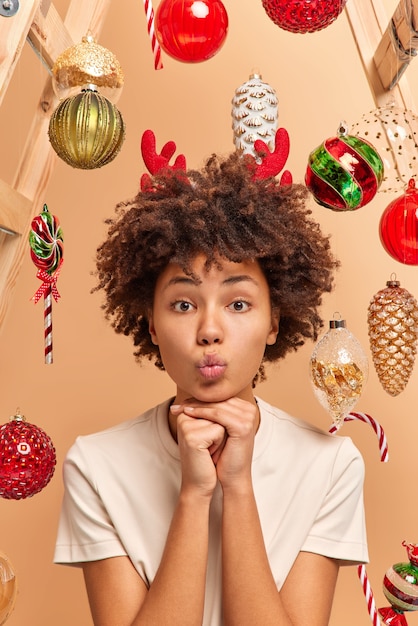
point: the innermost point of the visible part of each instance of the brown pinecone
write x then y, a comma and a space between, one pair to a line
393, 333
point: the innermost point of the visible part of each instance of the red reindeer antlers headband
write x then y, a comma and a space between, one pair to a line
268, 164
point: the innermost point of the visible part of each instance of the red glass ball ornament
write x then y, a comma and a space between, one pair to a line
191, 30
398, 227
27, 459
303, 16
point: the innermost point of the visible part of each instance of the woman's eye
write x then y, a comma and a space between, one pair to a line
239, 305
182, 306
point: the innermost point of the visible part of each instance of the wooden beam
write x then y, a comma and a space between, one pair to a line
48, 35
15, 210
13, 31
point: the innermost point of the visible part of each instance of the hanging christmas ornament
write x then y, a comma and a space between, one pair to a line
303, 16
393, 333
191, 30
87, 65
86, 131
398, 227
46, 251
400, 586
254, 114
8, 588
394, 133
338, 370
27, 459
344, 172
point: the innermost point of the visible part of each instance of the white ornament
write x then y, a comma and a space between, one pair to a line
254, 114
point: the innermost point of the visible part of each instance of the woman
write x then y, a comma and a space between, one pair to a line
213, 508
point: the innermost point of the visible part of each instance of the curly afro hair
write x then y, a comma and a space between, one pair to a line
220, 211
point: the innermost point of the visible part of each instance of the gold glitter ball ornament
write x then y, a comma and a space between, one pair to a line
393, 334
338, 370
86, 131
87, 65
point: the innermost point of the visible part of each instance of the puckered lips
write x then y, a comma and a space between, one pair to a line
211, 366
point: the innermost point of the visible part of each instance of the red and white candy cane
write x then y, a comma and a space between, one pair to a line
363, 417
48, 290
368, 594
156, 50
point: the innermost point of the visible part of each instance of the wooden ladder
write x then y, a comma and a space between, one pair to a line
38, 23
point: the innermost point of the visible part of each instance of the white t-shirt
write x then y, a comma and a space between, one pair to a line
122, 484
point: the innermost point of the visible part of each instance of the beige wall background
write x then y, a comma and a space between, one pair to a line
94, 381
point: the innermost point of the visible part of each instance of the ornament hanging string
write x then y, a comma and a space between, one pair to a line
156, 50
368, 594
363, 417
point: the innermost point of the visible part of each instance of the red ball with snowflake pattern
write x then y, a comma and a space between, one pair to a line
27, 459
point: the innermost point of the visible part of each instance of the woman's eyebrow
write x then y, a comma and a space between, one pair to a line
182, 280
189, 280
231, 280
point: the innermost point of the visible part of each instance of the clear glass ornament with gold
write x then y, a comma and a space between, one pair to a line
8, 588
338, 370
393, 131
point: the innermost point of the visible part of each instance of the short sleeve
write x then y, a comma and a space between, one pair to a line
339, 530
85, 531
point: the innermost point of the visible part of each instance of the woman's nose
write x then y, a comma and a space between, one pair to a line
210, 330
209, 340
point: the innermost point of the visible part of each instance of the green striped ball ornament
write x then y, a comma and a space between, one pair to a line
344, 172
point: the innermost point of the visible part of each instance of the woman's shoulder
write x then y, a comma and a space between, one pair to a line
303, 433
118, 436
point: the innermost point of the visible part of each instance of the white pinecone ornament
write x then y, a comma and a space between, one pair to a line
254, 114
393, 334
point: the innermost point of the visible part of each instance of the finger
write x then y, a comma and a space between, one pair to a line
216, 452
235, 415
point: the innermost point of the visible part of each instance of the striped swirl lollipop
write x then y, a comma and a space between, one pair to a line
344, 172
400, 586
46, 250
46, 241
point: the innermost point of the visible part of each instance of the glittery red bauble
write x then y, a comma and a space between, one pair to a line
303, 16
27, 459
399, 227
191, 30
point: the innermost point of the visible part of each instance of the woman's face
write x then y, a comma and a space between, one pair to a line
212, 329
